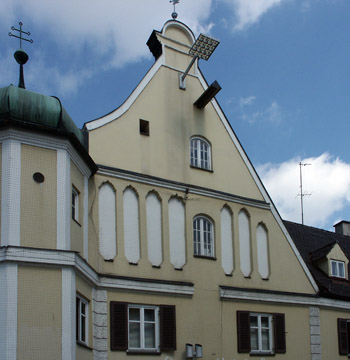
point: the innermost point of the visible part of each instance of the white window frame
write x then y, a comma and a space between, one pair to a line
200, 153
259, 327
82, 317
338, 265
75, 204
142, 323
203, 239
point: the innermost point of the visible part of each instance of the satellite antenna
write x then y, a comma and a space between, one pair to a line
20, 55
302, 194
174, 14
202, 48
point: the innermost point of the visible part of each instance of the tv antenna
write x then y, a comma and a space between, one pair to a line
302, 194
174, 14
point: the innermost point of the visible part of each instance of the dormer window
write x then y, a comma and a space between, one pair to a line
338, 269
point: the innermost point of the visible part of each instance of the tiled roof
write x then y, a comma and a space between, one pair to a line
314, 243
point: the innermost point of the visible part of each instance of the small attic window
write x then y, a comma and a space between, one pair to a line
144, 127
338, 269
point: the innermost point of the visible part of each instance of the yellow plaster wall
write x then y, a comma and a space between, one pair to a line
283, 261
206, 320
77, 179
39, 313
38, 201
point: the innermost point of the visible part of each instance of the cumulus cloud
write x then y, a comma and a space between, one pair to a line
326, 179
249, 12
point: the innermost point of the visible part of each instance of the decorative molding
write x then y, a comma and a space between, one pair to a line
68, 314
63, 200
8, 313
74, 260
177, 186
11, 193
239, 294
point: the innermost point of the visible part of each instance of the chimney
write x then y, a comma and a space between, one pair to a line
342, 227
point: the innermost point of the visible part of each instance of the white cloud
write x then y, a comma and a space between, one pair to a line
327, 179
249, 12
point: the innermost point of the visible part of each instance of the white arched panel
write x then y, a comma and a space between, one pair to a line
177, 233
107, 222
244, 243
263, 251
154, 229
226, 241
131, 226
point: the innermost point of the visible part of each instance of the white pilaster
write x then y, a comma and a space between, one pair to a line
86, 218
315, 333
64, 193
68, 314
8, 311
11, 193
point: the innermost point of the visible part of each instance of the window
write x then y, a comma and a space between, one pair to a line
144, 127
260, 333
75, 204
200, 153
338, 269
81, 320
203, 237
344, 336
142, 328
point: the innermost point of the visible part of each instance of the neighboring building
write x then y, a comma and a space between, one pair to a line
149, 230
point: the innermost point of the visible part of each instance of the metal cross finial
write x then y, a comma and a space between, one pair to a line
174, 2
20, 34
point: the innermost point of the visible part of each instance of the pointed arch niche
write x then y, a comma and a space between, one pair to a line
177, 243
227, 262
107, 221
131, 225
263, 251
154, 228
244, 242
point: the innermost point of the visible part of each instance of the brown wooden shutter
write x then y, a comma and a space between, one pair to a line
167, 327
119, 325
243, 331
343, 337
280, 333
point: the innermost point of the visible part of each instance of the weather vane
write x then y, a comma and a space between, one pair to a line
20, 55
174, 2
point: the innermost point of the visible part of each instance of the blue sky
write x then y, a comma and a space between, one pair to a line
283, 66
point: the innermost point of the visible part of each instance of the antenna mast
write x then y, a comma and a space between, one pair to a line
301, 191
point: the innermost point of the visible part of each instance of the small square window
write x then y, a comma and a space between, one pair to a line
81, 320
75, 204
144, 127
338, 269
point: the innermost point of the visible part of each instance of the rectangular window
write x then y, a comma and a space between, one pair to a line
75, 204
344, 336
81, 320
260, 333
142, 328
338, 269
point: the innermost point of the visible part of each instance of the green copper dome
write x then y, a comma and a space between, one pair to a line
22, 107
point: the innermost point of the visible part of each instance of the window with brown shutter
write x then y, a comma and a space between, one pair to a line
343, 336
142, 328
252, 328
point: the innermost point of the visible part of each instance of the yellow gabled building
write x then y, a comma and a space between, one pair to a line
146, 233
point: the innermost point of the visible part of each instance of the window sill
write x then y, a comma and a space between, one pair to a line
79, 343
143, 352
261, 353
205, 257
200, 168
